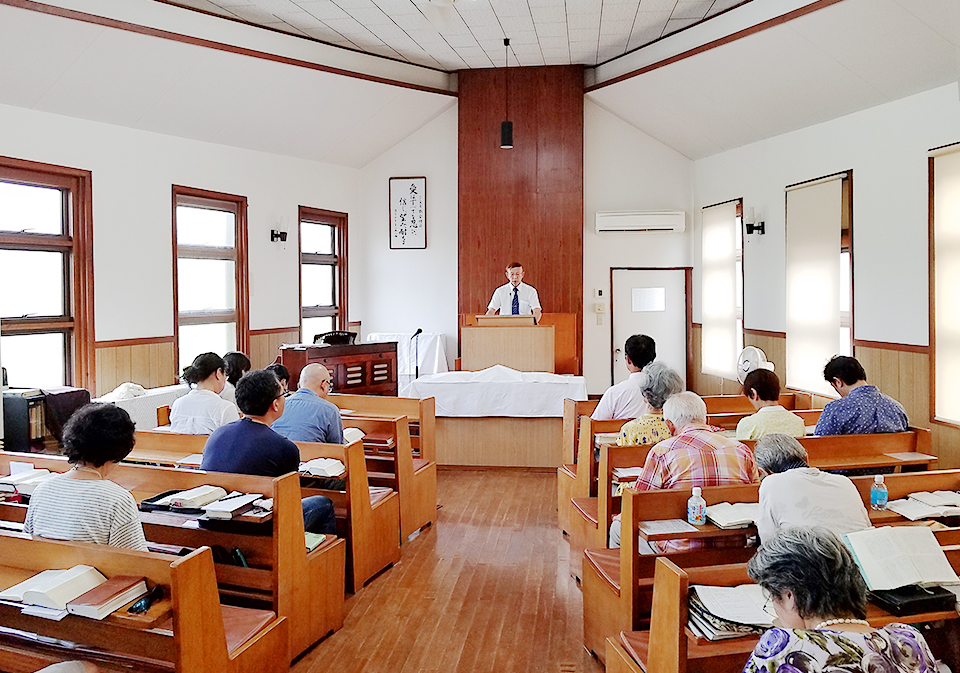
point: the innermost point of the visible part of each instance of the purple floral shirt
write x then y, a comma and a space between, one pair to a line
895, 648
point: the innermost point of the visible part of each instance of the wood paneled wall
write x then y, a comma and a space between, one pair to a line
148, 362
265, 344
524, 204
903, 374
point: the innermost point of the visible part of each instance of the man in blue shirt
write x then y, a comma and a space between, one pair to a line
249, 446
861, 409
308, 416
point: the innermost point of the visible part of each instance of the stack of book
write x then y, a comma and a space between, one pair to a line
718, 613
210, 502
24, 482
323, 467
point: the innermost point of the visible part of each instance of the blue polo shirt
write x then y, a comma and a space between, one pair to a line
307, 417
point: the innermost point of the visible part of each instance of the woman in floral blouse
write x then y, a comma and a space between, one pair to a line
820, 599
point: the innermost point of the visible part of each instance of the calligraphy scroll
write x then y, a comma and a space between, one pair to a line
408, 212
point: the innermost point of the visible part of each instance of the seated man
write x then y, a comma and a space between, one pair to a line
308, 416
625, 400
249, 446
794, 494
696, 455
762, 388
282, 373
861, 409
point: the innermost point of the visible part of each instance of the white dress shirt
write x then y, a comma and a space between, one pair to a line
200, 412
503, 299
623, 400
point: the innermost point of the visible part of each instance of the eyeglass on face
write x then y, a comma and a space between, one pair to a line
329, 383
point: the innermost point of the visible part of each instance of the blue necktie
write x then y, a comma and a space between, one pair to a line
516, 302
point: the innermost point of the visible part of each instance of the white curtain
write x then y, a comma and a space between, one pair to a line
946, 242
813, 282
718, 290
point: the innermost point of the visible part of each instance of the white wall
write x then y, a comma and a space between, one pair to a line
133, 172
402, 290
886, 147
625, 169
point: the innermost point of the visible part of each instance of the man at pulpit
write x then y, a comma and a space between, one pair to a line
516, 297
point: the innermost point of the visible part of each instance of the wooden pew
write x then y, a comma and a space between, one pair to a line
567, 472
838, 452
203, 636
370, 525
164, 448
729, 421
413, 478
583, 518
421, 414
726, 404
617, 582
670, 647
304, 587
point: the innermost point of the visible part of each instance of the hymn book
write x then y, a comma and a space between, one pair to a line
737, 515
897, 556
108, 597
55, 588
717, 613
323, 467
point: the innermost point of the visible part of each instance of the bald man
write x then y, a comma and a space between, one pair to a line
308, 416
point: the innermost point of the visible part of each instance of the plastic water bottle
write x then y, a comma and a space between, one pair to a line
878, 493
697, 508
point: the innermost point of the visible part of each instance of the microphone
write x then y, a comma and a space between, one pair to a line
418, 332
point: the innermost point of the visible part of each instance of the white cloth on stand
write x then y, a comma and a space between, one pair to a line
500, 391
432, 355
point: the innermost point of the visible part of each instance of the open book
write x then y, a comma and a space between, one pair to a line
912, 509
897, 556
717, 613
736, 515
9, 484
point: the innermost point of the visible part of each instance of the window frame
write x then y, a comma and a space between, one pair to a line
190, 196
76, 243
338, 260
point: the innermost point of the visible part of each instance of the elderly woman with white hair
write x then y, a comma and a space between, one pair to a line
820, 599
659, 383
794, 494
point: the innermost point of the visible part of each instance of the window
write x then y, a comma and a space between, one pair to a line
46, 270
323, 272
944, 167
211, 296
819, 262
722, 288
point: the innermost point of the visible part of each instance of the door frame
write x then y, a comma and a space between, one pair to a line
688, 326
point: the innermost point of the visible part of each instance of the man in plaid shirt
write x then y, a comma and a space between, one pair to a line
696, 455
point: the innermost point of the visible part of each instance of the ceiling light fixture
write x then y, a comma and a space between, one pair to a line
506, 127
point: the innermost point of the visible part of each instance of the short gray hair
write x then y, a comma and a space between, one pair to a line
659, 383
684, 408
776, 452
814, 565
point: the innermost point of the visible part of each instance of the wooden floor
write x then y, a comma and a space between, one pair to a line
485, 589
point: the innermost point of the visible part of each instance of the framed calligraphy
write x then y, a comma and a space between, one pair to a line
408, 213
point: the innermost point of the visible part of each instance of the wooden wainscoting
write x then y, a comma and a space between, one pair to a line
148, 362
706, 384
265, 344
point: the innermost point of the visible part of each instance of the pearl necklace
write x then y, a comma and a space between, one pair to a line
82, 468
828, 622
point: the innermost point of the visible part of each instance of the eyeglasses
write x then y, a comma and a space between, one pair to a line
329, 383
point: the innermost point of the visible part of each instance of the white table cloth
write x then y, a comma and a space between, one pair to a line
432, 355
143, 409
500, 391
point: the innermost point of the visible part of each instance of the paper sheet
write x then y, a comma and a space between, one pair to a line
662, 526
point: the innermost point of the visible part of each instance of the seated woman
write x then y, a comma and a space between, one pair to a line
794, 494
762, 388
820, 599
659, 383
282, 374
202, 410
81, 504
236, 364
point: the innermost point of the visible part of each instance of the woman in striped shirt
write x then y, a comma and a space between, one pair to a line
81, 504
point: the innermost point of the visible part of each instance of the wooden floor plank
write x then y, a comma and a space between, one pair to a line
484, 590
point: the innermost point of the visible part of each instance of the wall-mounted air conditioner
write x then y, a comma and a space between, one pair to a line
641, 220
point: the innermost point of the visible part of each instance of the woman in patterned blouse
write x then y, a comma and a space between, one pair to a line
659, 383
820, 599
